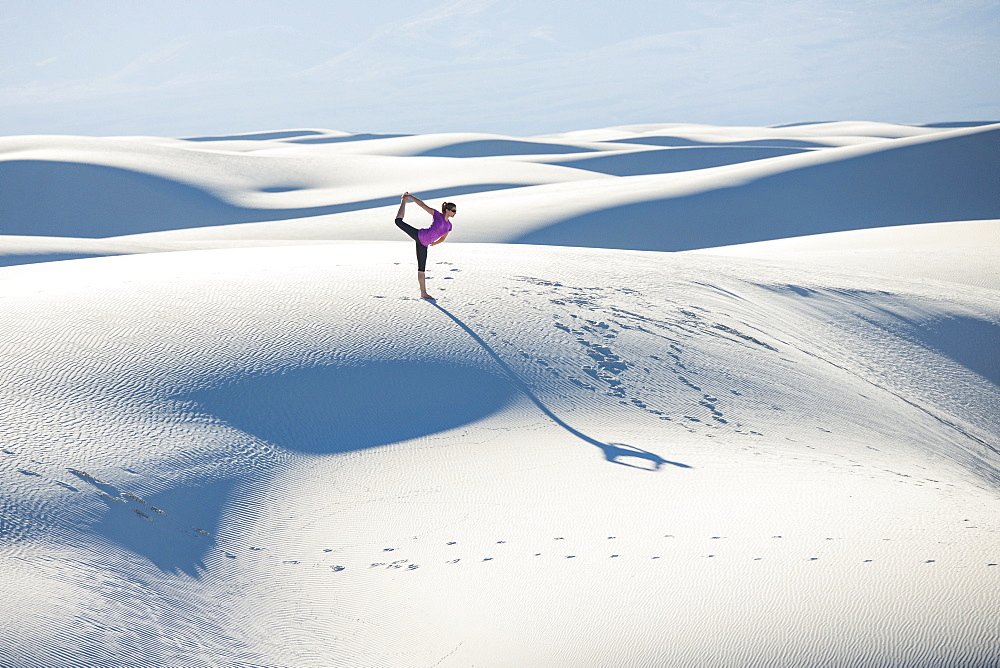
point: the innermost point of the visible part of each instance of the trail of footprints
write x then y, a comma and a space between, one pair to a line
702, 551
116, 497
607, 372
504, 550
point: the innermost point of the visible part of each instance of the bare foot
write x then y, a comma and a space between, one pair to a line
427, 296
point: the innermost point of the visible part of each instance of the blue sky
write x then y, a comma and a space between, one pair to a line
522, 67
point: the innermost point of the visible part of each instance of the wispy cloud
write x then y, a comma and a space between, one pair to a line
156, 57
524, 66
447, 11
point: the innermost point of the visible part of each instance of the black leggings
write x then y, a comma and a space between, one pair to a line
421, 249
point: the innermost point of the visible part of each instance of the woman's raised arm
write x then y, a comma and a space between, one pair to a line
421, 204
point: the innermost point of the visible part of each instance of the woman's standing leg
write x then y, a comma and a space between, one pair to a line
421, 249
421, 267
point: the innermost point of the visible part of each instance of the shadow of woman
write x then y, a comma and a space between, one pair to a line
613, 452
616, 452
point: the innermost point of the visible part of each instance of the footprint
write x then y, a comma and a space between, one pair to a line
337, 569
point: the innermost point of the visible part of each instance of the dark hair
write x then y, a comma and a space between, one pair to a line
446, 206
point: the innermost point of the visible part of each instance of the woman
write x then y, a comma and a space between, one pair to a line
429, 236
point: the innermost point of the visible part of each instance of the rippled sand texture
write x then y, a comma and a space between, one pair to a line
233, 436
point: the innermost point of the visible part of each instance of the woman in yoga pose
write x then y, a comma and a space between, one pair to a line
429, 236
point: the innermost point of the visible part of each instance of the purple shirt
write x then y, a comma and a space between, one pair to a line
438, 229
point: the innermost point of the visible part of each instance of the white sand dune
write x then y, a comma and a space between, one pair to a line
97, 187
963, 252
259, 449
945, 176
815, 135
192, 192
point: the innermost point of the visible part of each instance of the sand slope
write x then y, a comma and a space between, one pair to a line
168, 194
964, 252
267, 452
242, 461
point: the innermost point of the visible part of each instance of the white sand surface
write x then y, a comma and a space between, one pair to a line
839, 133
964, 252
943, 176
246, 442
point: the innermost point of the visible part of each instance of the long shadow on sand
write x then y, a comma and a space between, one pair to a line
335, 409
946, 180
670, 160
69, 199
613, 452
314, 411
